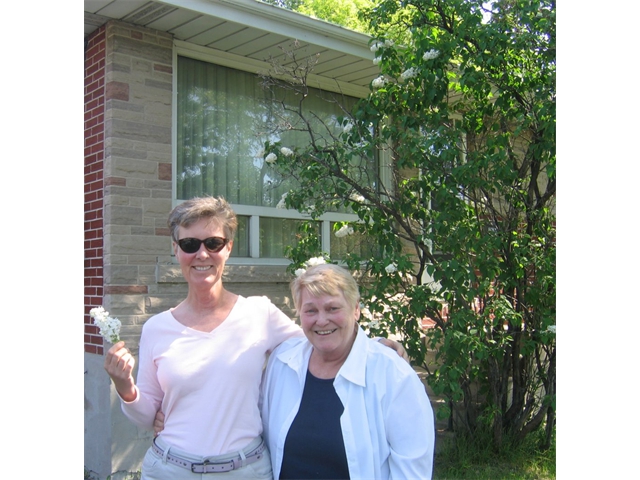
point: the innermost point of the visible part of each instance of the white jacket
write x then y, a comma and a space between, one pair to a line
387, 424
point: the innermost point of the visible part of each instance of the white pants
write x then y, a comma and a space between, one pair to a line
155, 468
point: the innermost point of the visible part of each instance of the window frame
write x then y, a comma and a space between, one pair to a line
254, 213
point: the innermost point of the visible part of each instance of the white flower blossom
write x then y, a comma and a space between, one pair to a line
388, 43
409, 73
390, 268
378, 82
109, 327
281, 203
551, 329
344, 231
376, 60
356, 197
299, 271
312, 262
375, 46
347, 128
430, 54
287, 152
271, 158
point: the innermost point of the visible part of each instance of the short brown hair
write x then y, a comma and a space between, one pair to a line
197, 208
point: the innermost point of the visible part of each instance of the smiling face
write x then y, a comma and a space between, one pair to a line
202, 269
329, 322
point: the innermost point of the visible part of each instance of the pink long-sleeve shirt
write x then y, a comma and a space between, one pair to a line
207, 384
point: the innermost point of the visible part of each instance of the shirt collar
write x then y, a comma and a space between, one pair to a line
353, 370
355, 366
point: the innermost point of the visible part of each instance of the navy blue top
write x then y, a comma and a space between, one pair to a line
314, 448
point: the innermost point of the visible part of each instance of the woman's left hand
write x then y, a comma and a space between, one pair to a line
158, 423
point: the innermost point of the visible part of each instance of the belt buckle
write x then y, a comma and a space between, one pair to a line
206, 463
202, 465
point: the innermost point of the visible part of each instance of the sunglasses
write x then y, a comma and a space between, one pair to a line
192, 245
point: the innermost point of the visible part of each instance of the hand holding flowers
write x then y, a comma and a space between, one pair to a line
118, 362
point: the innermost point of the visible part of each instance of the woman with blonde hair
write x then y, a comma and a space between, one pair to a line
336, 404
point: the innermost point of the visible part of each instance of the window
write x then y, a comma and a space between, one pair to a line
221, 127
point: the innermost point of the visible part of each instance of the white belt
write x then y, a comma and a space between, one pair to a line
213, 467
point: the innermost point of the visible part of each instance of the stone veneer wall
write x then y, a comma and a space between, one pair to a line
137, 178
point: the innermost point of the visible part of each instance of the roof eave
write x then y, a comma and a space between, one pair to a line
284, 22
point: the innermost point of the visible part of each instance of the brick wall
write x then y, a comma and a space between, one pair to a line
94, 93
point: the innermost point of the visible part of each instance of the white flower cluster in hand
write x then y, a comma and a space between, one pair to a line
344, 231
390, 268
281, 203
378, 82
287, 152
271, 158
109, 327
430, 54
409, 73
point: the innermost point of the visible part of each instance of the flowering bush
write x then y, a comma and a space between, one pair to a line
463, 219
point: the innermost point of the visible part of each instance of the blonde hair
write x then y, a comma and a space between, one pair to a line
326, 279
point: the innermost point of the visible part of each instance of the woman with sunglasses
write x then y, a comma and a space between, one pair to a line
201, 362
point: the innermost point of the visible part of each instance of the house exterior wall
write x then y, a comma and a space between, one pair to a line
129, 268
